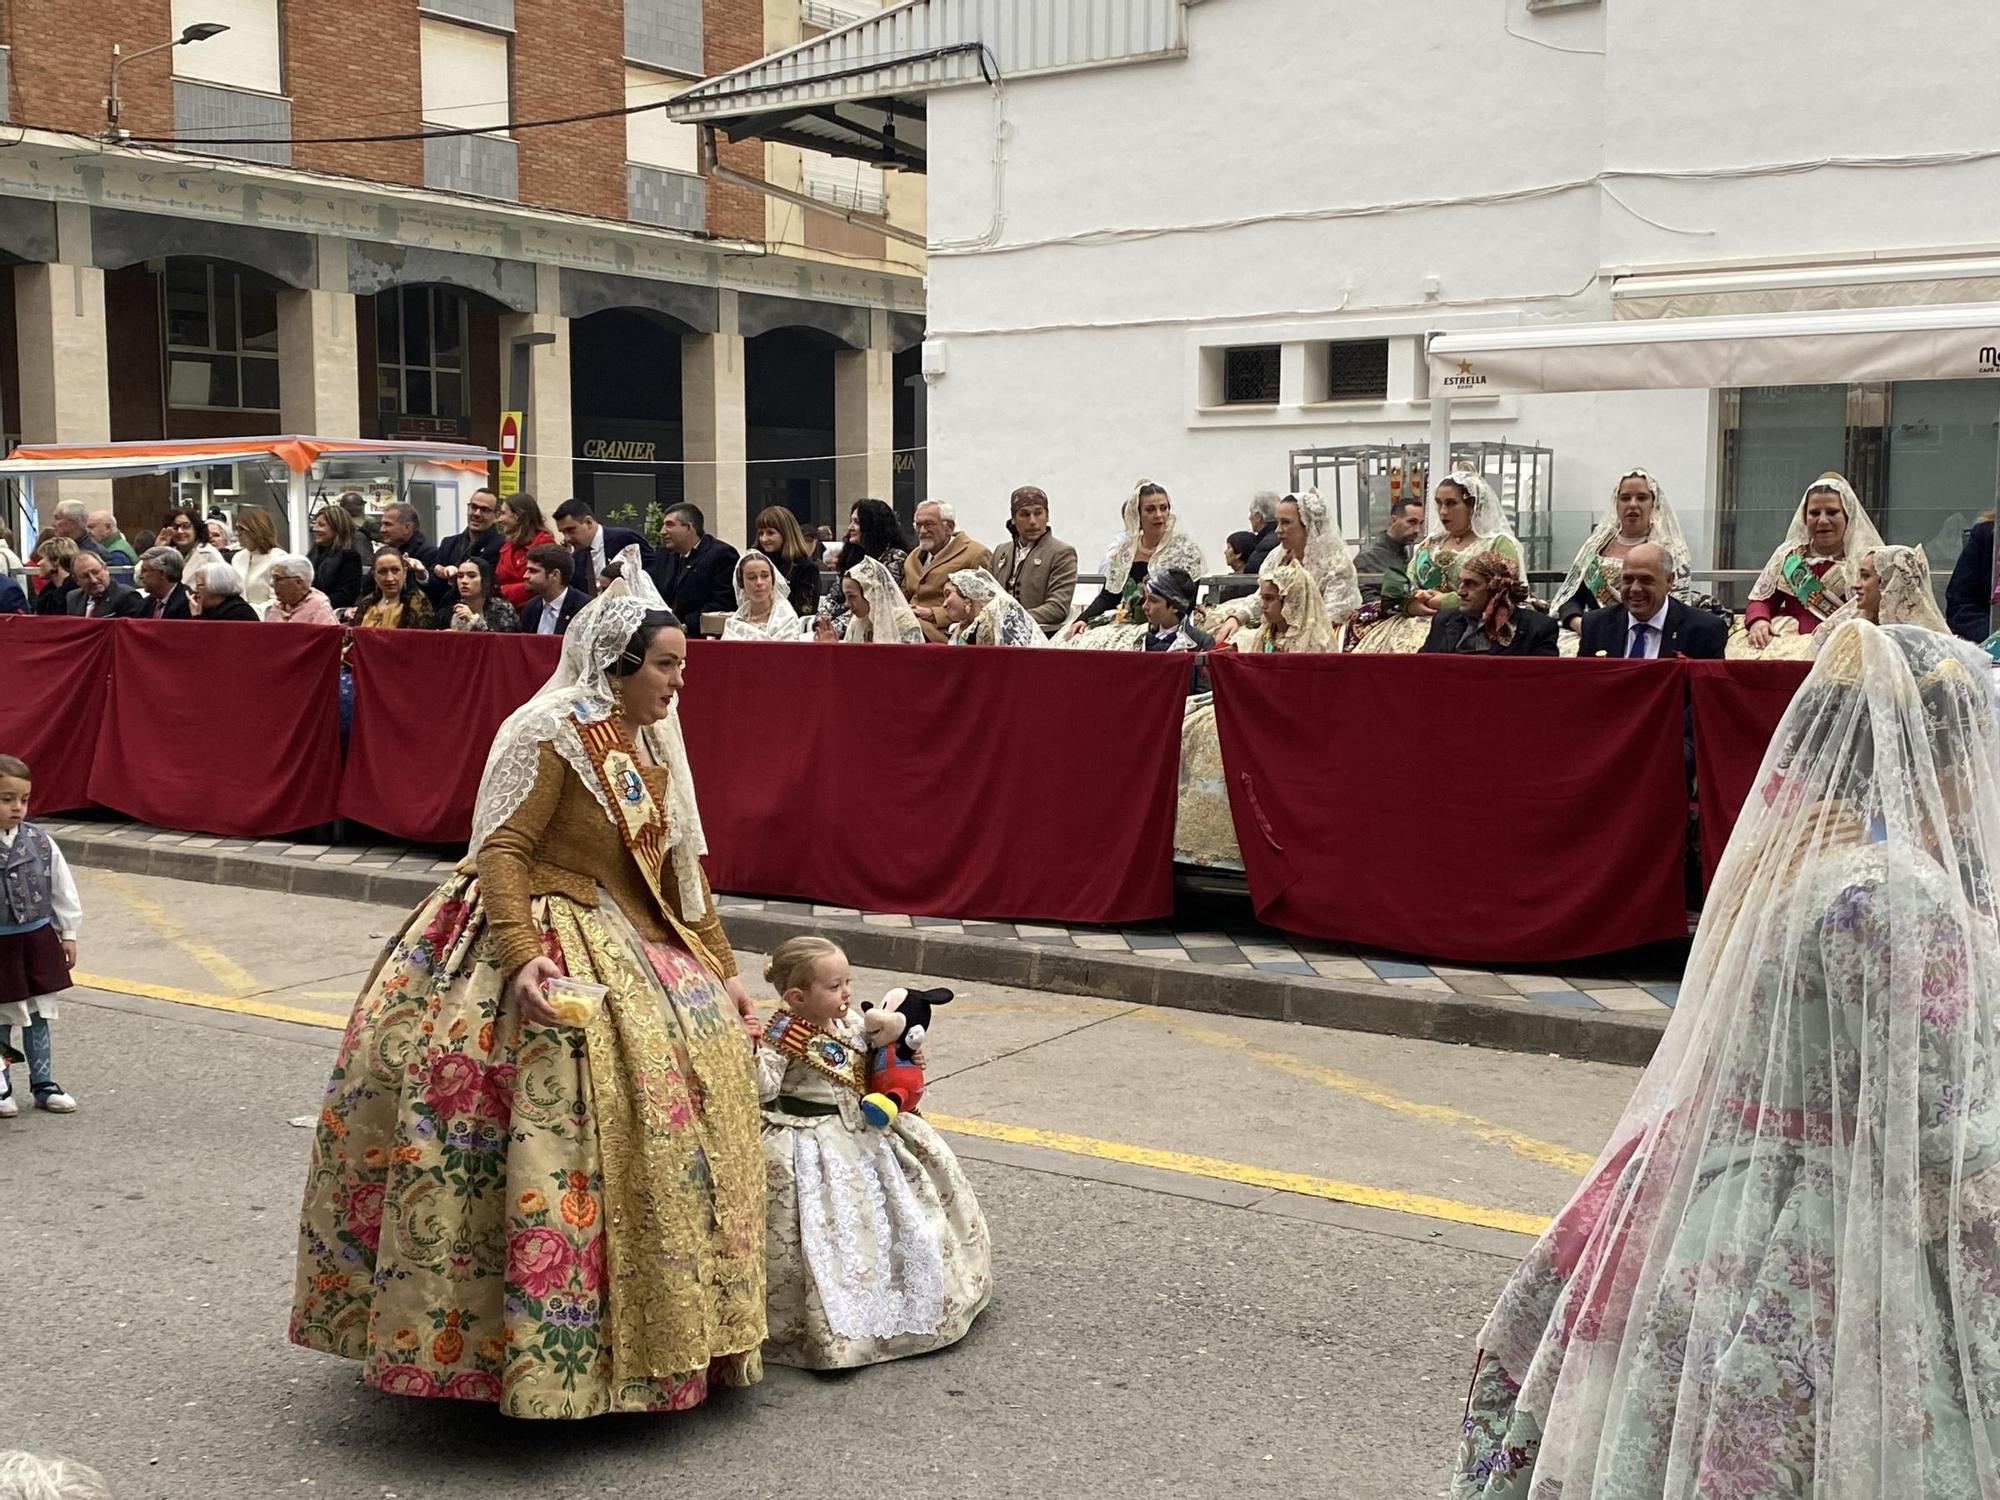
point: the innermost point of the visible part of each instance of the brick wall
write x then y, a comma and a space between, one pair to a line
62, 54
352, 68
569, 58
732, 35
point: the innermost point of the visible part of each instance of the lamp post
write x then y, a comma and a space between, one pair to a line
201, 31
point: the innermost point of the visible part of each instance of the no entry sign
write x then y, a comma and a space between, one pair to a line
510, 453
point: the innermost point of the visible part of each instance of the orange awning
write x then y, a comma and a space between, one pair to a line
298, 454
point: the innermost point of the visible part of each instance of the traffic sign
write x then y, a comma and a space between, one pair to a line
510, 454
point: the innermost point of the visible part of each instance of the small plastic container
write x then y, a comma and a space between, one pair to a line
575, 1002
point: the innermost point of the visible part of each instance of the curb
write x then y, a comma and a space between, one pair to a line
1345, 1005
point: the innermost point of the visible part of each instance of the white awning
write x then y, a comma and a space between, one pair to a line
1886, 343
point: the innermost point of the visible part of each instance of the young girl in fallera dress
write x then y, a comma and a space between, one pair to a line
39, 915
875, 1248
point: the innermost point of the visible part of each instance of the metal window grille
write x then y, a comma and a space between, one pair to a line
1250, 375
1358, 371
863, 200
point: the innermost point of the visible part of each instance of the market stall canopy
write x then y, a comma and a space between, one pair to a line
298, 454
859, 91
1797, 348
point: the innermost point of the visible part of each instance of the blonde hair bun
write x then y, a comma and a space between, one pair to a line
791, 965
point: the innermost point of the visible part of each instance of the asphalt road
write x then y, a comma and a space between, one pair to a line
1232, 1258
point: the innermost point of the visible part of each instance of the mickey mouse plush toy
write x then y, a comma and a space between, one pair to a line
893, 1028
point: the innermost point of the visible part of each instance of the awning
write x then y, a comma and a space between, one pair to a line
298, 454
1888, 343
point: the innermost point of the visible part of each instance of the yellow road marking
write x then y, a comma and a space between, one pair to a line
1547, 1152
225, 970
1420, 1204
235, 1004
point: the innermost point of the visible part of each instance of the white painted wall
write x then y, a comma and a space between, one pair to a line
1070, 348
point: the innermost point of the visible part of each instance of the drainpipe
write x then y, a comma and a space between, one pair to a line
714, 168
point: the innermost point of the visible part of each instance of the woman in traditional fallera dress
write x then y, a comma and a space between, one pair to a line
1782, 1278
1809, 577
1307, 538
984, 614
1639, 513
562, 1220
1892, 586
1464, 516
873, 610
763, 612
1116, 619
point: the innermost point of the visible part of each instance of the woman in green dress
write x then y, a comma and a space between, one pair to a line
1465, 516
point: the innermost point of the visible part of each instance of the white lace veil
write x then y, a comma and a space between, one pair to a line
781, 624
1781, 1276
1489, 516
580, 692
1861, 537
1907, 597
1001, 621
1306, 625
1664, 532
1176, 550
890, 618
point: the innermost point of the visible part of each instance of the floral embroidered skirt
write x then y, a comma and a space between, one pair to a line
1786, 643
1204, 828
1396, 634
562, 1221
876, 1248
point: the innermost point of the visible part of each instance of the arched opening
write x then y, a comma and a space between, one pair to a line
788, 411
625, 415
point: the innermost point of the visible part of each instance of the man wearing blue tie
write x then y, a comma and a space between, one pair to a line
1648, 622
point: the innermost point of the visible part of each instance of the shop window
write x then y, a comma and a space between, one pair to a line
248, 55
1358, 370
221, 337
420, 352
1250, 375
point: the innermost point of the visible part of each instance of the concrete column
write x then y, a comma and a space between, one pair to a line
319, 383
864, 419
65, 367
714, 435
546, 437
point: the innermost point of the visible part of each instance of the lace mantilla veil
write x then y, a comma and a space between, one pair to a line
1861, 537
1489, 516
580, 692
1001, 620
1176, 550
1664, 532
1783, 1274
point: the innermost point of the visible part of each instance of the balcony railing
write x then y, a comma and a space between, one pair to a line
861, 200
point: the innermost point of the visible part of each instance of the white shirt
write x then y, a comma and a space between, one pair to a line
597, 555
1656, 631
67, 908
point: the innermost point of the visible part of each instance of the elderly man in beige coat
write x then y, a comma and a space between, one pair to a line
941, 551
1035, 567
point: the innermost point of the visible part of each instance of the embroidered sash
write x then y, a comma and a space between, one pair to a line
1426, 572
1594, 580
1807, 587
819, 1050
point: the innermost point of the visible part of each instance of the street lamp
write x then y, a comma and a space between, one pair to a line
201, 31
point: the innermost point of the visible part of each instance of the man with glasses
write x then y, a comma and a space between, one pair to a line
481, 538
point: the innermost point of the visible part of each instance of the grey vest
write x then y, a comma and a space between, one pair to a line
26, 878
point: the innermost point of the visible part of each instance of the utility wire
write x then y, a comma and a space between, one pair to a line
414, 135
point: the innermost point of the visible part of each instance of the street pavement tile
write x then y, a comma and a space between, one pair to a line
1626, 999
885, 919
951, 922
1141, 942
1231, 955
1575, 999
1342, 968
836, 911
1292, 966
1388, 968
1428, 982
1667, 994
1491, 986
1537, 985
1102, 942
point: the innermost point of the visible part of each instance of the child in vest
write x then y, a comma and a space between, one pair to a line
40, 912
874, 1244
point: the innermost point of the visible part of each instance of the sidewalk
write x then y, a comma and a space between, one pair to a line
1212, 957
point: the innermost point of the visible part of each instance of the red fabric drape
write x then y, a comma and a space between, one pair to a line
978, 783
1430, 805
1737, 705
54, 673
231, 729
426, 704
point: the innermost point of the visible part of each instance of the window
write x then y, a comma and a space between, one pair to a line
420, 352
831, 15
1358, 371
246, 56
843, 182
651, 139
465, 78
1250, 375
222, 338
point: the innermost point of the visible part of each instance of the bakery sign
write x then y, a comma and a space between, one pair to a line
620, 450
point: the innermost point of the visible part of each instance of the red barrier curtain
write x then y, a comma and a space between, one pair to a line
54, 673
230, 729
1737, 705
426, 705
1502, 810
973, 783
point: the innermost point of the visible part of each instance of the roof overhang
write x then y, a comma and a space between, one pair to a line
1878, 343
298, 454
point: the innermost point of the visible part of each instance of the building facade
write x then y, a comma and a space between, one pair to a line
356, 220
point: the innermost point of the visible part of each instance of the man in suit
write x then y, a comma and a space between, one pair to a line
593, 545
941, 551
1034, 567
480, 537
98, 596
552, 603
696, 572
1484, 578
1648, 622
160, 581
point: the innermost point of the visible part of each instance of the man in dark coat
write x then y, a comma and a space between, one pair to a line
98, 595
696, 573
594, 545
1648, 622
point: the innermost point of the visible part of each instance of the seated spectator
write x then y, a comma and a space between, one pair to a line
253, 559
762, 612
103, 529
1307, 538
1639, 513
1292, 615
1388, 555
1114, 620
591, 544
13, 598
480, 538
10, 560
219, 536
55, 558
69, 520
521, 531
981, 613
1892, 586
477, 606
1968, 597
187, 533
294, 600
941, 551
391, 604
365, 529
1033, 565
1263, 529
693, 570
218, 593
160, 581
144, 542
1492, 617
552, 603
1168, 599
872, 531
1648, 621
337, 571
98, 596
1236, 552
875, 609
795, 559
